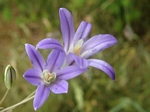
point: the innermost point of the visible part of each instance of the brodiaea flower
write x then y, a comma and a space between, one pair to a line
48, 76
77, 48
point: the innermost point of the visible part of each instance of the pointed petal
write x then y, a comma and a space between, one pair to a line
41, 95
98, 43
69, 72
67, 27
33, 76
49, 43
81, 62
35, 57
55, 60
102, 65
82, 31
59, 87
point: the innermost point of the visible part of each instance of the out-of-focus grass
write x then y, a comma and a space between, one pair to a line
30, 21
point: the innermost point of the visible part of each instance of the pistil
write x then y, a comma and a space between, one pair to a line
48, 77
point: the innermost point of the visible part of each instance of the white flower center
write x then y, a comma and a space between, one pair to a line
48, 77
76, 49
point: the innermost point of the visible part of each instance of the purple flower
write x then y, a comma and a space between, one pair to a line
76, 46
48, 76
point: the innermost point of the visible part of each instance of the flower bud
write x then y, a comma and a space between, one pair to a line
9, 76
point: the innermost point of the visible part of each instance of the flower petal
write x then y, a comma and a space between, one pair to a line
41, 95
98, 43
33, 76
69, 72
55, 60
102, 65
67, 27
49, 43
35, 57
59, 87
82, 31
81, 62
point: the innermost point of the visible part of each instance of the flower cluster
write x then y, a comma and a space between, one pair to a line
65, 61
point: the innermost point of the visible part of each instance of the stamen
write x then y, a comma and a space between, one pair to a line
78, 47
48, 77
77, 50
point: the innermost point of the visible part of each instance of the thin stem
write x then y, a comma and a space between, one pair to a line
13, 106
30, 95
4, 96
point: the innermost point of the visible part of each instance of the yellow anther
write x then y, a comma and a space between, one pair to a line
78, 47
77, 50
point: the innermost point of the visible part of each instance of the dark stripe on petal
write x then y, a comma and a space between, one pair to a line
102, 65
33, 76
59, 87
55, 60
41, 95
67, 27
50, 43
35, 57
82, 31
98, 43
69, 72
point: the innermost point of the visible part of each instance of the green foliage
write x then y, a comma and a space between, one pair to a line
30, 21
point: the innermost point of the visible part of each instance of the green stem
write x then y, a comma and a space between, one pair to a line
13, 106
4, 96
29, 97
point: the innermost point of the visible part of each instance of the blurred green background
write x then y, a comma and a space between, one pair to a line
29, 21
